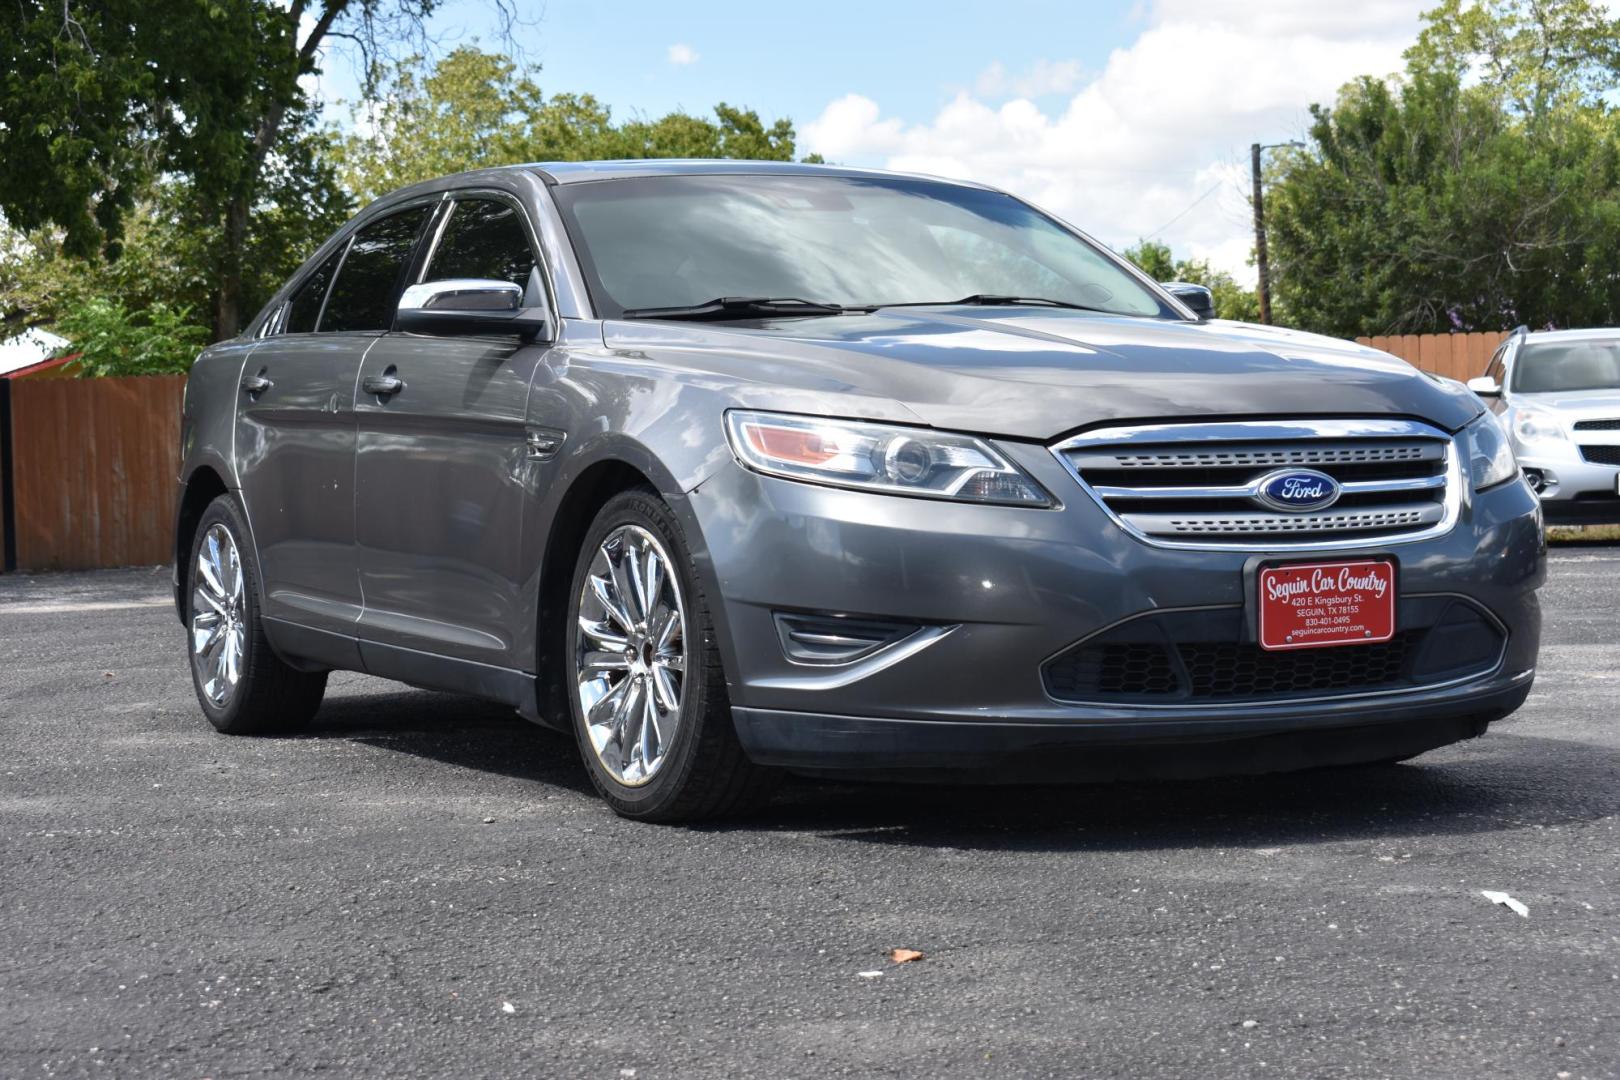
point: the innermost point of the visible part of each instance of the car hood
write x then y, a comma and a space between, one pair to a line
1576, 404
1040, 373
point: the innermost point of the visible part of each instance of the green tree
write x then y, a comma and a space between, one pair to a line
170, 239
1232, 301
1532, 56
473, 109
1442, 201
100, 97
112, 340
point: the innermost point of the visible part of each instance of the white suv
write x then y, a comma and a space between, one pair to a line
1558, 393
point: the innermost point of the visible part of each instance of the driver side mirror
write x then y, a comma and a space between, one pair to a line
1485, 386
468, 306
1196, 297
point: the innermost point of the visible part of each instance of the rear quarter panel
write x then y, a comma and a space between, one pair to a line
208, 421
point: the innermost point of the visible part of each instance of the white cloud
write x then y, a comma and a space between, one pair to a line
1168, 117
681, 55
1043, 77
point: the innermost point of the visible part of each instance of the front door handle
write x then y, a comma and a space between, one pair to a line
255, 384
382, 385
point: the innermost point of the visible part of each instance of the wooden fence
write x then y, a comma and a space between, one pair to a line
8, 554
93, 464
93, 461
1457, 356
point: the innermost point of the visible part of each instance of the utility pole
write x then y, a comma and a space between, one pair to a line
1261, 262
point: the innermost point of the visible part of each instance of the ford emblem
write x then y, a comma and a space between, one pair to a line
1297, 490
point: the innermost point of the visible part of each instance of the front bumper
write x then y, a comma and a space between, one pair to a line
1573, 491
1018, 586
1180, 748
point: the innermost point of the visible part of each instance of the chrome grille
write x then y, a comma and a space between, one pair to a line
1197, 485
1243, 524
1262, 458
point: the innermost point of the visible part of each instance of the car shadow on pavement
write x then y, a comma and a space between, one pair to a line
465, 731
1502, 782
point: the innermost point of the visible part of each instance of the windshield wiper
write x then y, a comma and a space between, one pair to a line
996, 300
736, 307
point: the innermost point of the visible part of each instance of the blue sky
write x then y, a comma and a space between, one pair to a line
1128, 118
914, 56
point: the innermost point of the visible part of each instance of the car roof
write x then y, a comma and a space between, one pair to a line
581, 172
1595, 333
578, 172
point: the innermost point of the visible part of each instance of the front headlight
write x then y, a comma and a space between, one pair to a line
1490, 455
880, 457
1537, 425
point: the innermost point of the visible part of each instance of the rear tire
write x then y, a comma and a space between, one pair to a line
645, 685
243, 686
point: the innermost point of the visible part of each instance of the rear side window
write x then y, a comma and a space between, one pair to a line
306, 302
367, 286
484, 239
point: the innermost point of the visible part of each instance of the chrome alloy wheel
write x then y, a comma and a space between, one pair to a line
218, 621
630, 656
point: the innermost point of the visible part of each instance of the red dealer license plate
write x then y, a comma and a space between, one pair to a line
1338, 603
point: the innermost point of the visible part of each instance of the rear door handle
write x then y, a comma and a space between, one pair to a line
382, 385
255, 384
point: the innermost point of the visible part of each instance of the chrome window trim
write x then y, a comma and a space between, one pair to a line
445, 211
1271, 431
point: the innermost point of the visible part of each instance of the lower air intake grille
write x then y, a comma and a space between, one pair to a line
1194, 657
1601, 455
1230, 671
1113, 670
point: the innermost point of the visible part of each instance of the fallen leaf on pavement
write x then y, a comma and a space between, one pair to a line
904, 956
1506, 901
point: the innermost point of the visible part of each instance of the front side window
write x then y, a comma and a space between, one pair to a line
674, 241
1561, 367
368, 282
484, 239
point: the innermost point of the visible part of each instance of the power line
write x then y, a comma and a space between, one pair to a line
1193, 206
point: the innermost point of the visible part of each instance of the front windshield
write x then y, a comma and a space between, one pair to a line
676, 241
1556, 367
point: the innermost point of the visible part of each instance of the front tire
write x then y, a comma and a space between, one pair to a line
645, 687
243, 686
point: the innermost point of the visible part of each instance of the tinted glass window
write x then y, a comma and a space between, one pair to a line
1496, 369
367, 286
306, 302
670, 241
1566, 366
485, 239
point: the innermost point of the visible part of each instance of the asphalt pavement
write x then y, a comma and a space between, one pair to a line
424, 885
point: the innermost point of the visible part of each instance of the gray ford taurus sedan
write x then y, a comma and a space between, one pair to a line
736, 468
